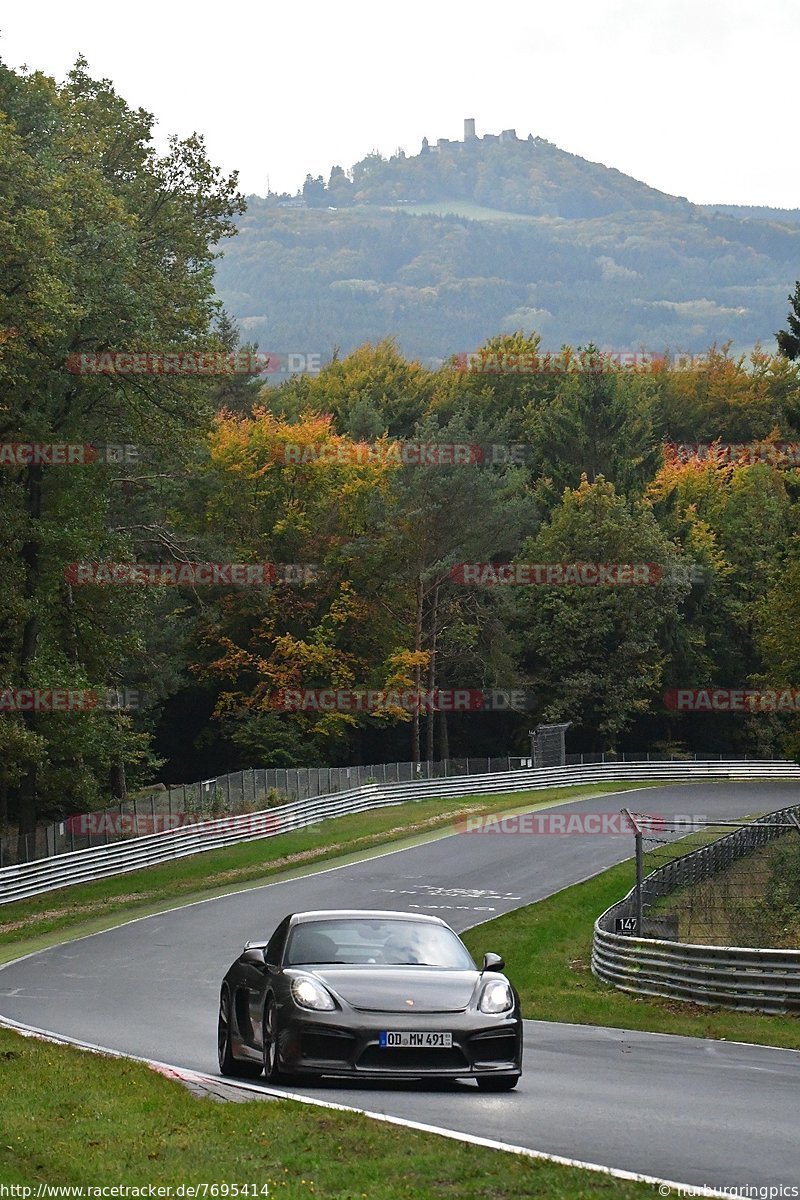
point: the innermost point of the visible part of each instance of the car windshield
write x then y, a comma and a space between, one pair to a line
366, 941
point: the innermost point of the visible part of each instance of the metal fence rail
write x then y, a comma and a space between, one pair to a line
237, 792
252, 791
30, 879
762, 980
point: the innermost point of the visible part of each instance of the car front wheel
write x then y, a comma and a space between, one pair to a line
271, 1069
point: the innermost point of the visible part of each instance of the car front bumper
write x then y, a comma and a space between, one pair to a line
348, 1043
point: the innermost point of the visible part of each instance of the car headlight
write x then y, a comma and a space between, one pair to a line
308, 993
496, 997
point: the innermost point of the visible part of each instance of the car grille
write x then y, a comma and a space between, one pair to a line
330, 1045
411, 1058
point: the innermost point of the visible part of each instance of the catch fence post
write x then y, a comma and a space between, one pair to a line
639, 871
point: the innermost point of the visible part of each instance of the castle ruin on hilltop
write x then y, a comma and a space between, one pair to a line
471, 139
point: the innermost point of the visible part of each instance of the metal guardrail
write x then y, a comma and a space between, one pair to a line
223, 795
252, 790
31, 879
761, 980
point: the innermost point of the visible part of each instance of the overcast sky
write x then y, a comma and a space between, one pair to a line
696, 97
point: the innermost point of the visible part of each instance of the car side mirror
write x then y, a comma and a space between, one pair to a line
254, 956
493, 962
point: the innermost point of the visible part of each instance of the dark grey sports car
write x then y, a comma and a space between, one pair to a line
368, 994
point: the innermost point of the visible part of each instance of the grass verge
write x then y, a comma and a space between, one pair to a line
88, 1120
28, 925
548, 947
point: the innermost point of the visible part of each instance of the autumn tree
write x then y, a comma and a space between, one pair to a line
295, 493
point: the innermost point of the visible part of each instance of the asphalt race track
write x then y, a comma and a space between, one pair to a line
701, 1112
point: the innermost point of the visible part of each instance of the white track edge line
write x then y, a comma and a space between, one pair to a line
181, 1073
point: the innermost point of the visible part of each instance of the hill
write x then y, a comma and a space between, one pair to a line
447, 247
523, 176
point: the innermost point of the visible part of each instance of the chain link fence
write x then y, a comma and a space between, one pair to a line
251, 791
676, 896
239, 792
662, 961
718, 894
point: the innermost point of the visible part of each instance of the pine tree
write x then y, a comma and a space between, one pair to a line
789, 342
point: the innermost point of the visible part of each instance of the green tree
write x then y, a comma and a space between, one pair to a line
595, 652
776, 617
601, 422
789, 340
373, 391
106, 246
440, 516
238, 391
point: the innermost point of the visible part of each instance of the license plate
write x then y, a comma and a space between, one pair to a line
417, 1040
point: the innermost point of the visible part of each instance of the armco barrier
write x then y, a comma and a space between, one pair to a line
253, 790
44, 875
237, 792
754, 979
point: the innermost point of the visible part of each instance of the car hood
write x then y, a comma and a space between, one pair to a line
387, 989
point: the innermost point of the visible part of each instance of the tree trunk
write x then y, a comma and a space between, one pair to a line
118, 782
444, 738
417, 673
27, 801
432, 674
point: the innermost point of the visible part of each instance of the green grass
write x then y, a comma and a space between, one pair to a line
28, 925
548, 946
461, 208
74, 1118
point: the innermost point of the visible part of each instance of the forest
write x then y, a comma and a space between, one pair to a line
219, 542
